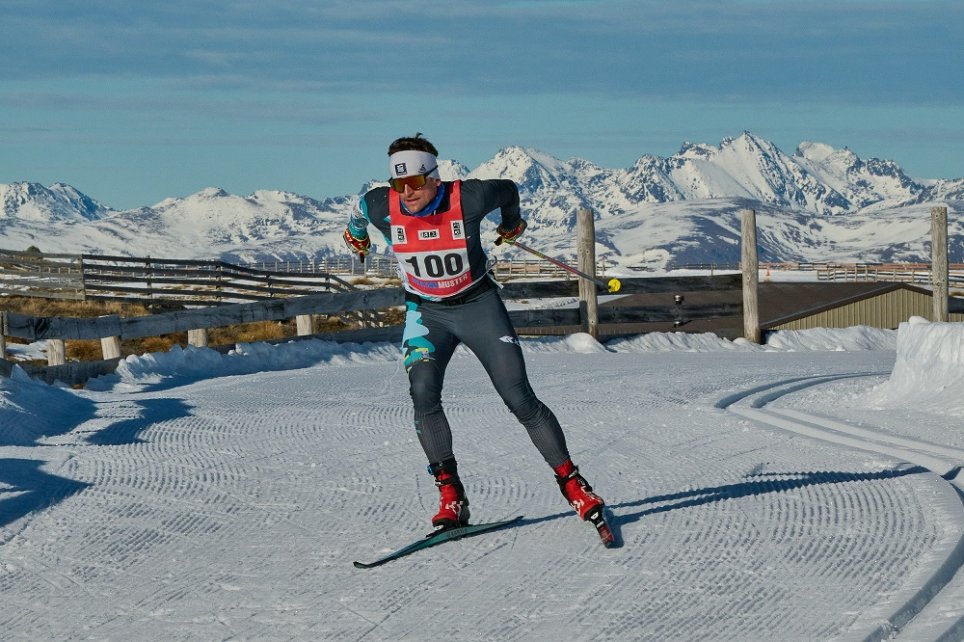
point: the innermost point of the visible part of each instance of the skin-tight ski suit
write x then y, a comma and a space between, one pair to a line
450, 300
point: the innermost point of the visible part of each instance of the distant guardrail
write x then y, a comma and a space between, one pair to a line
87, 277
148, 280
385, 267
92, 277
896, 272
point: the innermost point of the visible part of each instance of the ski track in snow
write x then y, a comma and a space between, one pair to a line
942, 592
231, 508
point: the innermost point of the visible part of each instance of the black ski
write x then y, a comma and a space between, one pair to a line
438, 537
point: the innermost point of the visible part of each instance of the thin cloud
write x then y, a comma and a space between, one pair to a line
835, 51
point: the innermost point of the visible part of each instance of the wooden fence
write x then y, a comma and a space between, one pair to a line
823, 271
86, 277
281, 295
91, 277
378, 266
919, 273
110, 329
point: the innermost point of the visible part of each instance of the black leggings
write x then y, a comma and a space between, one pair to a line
479, 319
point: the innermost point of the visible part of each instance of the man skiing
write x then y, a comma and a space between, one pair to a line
433, 228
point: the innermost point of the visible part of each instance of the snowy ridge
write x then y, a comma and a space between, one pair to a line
57, 203
819, 204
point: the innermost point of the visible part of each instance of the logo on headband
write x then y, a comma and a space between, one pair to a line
400, 169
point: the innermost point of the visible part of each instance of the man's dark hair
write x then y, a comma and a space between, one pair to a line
409, 143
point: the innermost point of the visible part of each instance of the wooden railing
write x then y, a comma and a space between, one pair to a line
385, 267
898, 272
89, 277
342, 265
111, 329
121, 278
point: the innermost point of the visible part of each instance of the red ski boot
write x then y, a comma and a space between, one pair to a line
587, 504
453, 507
577, 490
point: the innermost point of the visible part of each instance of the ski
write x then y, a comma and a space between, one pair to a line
437, 537
598, 519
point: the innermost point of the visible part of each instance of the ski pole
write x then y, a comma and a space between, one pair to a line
612, 285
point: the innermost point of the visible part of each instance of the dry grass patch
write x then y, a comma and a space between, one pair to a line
90, 349
376, 281
36, 307
394, 316
251, 332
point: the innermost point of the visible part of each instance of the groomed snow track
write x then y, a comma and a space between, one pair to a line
943, 590
231, 507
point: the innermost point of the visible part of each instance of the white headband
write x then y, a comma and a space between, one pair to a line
412, 163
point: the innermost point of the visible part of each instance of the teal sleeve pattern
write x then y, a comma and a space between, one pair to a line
358, 221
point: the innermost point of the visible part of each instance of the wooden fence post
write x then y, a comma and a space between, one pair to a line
305, 324
939, 269
110, 347
148, 273
198, 338
83, 280
56, 352
3, 331
588, 302
751, 268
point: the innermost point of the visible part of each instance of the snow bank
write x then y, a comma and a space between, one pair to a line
580, 342
929, 371
680, 342
179, 364
30, 409
839, 340
816, 340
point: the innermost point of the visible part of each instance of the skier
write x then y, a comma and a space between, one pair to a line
433, 228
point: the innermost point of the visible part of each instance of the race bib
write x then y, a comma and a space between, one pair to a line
431, 250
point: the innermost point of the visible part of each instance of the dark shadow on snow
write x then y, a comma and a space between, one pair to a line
127, 431
31, 489
33, 411
756, 485
38, 411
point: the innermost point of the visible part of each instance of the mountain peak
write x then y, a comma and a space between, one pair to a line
210, 193
59, 202
749, 142
743, 171
528, 167
697, 150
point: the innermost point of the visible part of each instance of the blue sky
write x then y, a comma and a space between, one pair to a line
133, 102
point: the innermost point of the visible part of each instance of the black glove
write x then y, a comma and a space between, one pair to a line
510, 236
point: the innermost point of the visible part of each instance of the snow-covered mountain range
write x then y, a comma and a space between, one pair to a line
820, 204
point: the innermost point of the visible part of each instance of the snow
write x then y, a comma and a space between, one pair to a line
820, 204
809, 488
935, 383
